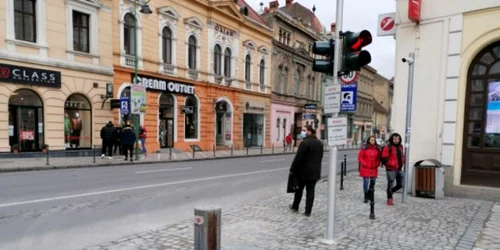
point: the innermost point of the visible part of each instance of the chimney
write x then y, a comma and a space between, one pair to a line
289, 2
273, 5
332, 27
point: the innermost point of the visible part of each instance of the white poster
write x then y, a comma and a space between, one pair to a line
337, 131
332, 99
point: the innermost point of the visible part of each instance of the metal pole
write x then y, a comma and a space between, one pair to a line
341, 176
345, 165
261, 148
371, 194
247, 149
207, 228
272, 149
136, 71
214, 150
194, 152
170, 153
409, 100
93, 152
47, 157
232, 147
330, 225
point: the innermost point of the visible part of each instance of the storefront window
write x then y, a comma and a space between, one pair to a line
191, 118
77, 122
26, 130
253, 128
492, 133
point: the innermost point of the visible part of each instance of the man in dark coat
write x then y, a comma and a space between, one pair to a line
108, 136
128, 138
307, 168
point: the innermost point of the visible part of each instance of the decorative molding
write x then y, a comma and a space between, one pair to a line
94, 3
169, 12
263, 50
194, 22
250, 44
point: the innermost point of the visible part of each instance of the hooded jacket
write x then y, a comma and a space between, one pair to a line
369, 158
109, 132
128, 136
390, 154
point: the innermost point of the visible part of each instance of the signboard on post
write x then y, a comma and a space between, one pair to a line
349, 78
138, 99
124, 106
348, 97
337, 131
332, 99
386, 24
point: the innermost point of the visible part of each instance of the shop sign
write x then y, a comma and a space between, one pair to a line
414, 9
28, 135
311, 106
255, 106
30, 76
138, 99
153, 83
224, 30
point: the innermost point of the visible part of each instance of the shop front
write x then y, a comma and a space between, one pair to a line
38, 99
281, 123
254, 124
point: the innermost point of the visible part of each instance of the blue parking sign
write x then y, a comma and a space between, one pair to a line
348, 97
124, 106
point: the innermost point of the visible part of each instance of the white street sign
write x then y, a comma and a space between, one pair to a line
337, 131
332, 99
349, 78
386, 25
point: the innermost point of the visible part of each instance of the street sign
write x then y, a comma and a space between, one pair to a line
348, 97
349, 78
337, 131
332, 99
386, 24
124, 106
138, 99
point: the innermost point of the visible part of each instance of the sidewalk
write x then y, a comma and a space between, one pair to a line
421, 223
26, 164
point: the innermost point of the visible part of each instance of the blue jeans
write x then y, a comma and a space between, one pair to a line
366, 182
143, 143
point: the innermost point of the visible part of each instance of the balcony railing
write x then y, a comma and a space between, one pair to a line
168, 69
193, 74
129, 60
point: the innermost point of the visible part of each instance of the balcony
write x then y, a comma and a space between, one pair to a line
193, 74
129, 60
218, 79
168, 69
248, 85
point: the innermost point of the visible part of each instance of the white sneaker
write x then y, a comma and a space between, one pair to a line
111, 158
102, 156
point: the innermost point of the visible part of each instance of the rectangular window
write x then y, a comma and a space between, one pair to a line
81, 38
25, 20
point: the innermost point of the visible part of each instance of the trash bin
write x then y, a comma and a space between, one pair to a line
428, 179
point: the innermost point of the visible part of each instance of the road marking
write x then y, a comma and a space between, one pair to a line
273, 160
139, 187
161, 170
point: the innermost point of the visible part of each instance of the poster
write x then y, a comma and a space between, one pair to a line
138, 99
493, 109
228, 127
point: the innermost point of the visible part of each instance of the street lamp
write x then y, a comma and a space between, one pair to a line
144, 10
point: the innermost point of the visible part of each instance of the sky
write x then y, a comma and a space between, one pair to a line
358, 15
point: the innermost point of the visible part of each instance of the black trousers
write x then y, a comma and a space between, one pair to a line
392, 176
118, 146
107, 146
310, 186
128, 150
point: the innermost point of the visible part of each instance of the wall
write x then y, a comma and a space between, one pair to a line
282, 112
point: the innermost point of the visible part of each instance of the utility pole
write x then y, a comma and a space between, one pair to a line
409, 101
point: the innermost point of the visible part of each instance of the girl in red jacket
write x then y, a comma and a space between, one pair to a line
369, 159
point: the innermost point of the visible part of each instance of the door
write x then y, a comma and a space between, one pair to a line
220, 129
170, 133
166, 132
25, 128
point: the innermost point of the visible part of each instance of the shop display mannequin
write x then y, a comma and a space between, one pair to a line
76, 130
67, 130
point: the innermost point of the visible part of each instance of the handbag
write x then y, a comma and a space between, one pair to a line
293, 183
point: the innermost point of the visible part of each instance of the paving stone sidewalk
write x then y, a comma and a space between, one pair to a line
421, 223
489, 238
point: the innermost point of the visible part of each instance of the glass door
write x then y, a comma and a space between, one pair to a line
27, 130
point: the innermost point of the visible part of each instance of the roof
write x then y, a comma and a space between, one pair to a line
297, 10
252, 14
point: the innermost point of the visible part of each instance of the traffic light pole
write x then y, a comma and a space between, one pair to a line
332, 175
409, 101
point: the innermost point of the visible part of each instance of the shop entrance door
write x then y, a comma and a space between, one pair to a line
166, 132
220, 141
24, 128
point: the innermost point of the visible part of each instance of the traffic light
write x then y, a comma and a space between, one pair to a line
353, 57
324, 48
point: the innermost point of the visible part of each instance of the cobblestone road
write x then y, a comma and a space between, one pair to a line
421, 223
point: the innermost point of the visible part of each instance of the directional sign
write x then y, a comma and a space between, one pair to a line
386, 24
349, 78
337, 131
124, 106
348, 97
332, 99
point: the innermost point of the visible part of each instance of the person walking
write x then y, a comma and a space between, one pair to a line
142, 137
369, 158
108, 136
288, 142
393, 159
306, 167
128, 138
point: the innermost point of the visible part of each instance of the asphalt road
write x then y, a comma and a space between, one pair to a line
77, 208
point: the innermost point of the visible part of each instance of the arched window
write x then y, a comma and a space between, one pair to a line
167, 45
217, 60
192, 57
285, 81
262, 75
248, 61
129, 28
26, 122
278, 127
191, 118
227, 62
297, 82
77, 122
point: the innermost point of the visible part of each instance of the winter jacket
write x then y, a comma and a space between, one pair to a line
143, 132
127, 136
390, 157
307, 163
109, 132
369, 159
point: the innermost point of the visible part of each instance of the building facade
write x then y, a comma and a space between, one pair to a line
296, 88
455, 114
381, 104
361, 121
206, 66
55, 70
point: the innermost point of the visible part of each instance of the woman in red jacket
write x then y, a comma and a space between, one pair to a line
369, 159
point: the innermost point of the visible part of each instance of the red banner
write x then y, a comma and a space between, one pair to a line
27, 135
414, 10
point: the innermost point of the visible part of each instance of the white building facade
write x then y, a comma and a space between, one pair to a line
456, 93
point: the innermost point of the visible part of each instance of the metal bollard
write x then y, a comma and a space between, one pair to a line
345, 165
207, 228
341, 176
371, 194
214, 151
272, 149
284, 148
47, 157
194, 152
93, 152
232, 147
170, 153
247, 149
262, 149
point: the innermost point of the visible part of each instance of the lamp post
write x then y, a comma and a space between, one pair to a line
144, 10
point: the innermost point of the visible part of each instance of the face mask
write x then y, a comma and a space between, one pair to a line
303, 134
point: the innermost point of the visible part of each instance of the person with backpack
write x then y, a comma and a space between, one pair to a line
142, 137
393, 159
108, 136
128, 138
369, 158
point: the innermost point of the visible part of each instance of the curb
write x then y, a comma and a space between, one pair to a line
26, 169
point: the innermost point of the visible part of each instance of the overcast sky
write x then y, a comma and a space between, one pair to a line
358, 15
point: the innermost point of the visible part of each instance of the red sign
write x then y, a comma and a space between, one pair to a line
27, 135
414, 10
387, 23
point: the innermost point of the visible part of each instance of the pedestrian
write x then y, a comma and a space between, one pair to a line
393, 159
128, 138
118, 142
288, 142
108, 136
142, 137
369, 159
307, 168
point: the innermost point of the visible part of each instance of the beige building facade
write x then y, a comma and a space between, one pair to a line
382, 101
55, 67
362, 123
